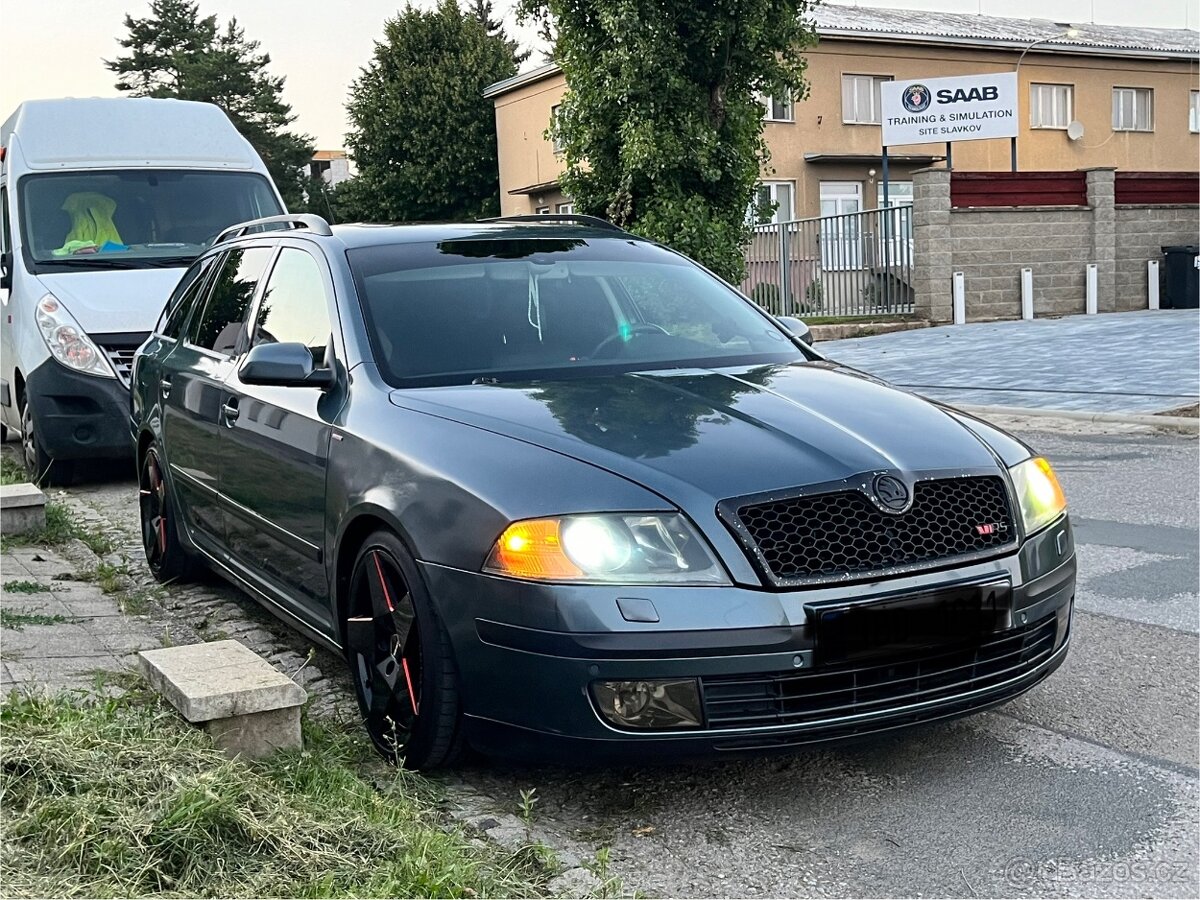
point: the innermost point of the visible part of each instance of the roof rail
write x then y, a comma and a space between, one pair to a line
594, 221
312, 223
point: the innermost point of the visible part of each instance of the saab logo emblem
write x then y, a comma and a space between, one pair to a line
890, 492
916, 98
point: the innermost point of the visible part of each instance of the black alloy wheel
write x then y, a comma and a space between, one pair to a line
167, 559
400, 660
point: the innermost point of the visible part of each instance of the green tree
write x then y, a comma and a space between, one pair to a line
175, 52
661, 127
482, 11
422, 135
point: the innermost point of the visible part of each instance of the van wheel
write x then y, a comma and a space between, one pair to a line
400, 659
44, 471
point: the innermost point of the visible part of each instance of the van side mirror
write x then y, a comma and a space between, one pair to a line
284, 364
797, 327
5, 271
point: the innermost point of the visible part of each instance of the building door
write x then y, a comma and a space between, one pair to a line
841, 231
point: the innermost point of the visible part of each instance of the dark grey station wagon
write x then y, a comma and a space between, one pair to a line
557, 491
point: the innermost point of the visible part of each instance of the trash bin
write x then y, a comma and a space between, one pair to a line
1180, 278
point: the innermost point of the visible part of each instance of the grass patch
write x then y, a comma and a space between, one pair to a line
11, 471
60, 528
120, 798
17, 619
23, 587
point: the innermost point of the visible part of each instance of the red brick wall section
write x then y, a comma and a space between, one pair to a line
1157, 188
976, 189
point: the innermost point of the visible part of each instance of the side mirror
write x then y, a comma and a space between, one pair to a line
5, 271
796, 327
283, 365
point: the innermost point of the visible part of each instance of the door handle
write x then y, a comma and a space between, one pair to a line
165, 385
229, 412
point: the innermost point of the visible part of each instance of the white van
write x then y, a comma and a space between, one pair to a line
105, 202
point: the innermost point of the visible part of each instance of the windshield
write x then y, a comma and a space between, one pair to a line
136, 218
482, 310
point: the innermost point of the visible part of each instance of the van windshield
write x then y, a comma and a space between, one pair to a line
135, 218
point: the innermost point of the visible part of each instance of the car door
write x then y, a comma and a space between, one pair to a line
275, 450
192, 380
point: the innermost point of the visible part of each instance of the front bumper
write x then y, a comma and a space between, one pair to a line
528, 654
78, 416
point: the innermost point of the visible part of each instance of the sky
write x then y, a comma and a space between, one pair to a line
56, 48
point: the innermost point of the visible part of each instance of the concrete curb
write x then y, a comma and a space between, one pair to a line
1169, 423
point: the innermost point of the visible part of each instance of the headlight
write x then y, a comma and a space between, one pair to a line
1038, 493
67, 341
613, 549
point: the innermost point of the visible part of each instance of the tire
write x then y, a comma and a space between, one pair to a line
166, 557
44, 470
400, 659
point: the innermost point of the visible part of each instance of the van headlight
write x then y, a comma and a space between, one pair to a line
67, 341
635, 548
1039, 494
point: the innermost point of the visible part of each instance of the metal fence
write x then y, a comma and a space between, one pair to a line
850, 265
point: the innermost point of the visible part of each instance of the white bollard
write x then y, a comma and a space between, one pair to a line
1152, 284
1027, 293
960, 298
1093, 273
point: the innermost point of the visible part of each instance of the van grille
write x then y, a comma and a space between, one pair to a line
120, 352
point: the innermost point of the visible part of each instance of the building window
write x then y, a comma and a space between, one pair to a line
900, 193
777, 194
860, 99
1051, 105
558, 141
565, 209
1194, 113
778, 109
542, 210
1133, 109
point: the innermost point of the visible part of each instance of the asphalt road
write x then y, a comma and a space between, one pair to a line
1086, 786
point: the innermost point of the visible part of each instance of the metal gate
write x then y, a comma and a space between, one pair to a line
851, 265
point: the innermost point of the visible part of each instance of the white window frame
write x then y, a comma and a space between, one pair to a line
565, 209
1051, 106
1194, 112
773, 191
875, 113
556, 141
778, 109
542, 211
1141, 97
841, 238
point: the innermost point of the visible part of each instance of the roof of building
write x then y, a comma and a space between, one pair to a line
322, 155
1001, 31
994, 32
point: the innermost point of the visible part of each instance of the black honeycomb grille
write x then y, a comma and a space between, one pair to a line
823, 536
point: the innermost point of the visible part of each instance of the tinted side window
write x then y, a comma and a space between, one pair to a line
183, 299
294, 305
229, 300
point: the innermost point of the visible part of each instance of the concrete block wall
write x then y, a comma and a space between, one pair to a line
991, 245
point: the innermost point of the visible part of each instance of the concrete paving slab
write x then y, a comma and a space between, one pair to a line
53, 675
52, 642
1136, 362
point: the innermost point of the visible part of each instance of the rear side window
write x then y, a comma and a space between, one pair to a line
233, 286
295, 305
184, 298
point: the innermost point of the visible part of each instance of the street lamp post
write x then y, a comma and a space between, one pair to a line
1068, 33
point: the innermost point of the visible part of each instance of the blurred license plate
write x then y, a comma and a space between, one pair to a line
904, 625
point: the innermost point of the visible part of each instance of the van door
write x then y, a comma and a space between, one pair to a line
191, 383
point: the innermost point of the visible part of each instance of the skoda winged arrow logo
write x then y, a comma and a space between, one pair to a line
890, 492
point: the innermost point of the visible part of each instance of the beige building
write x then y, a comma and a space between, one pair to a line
1134, 91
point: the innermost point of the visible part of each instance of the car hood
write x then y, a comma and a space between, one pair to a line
111, 302
726, 433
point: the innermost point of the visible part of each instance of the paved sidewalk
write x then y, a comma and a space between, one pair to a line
58, 638
1135, 362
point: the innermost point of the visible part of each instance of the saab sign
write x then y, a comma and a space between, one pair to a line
959, 108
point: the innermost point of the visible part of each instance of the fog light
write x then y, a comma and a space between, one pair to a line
649, 704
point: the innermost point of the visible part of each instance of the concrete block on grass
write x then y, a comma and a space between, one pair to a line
248, 706
22, 509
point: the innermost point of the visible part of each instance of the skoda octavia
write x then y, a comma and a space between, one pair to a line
552, 489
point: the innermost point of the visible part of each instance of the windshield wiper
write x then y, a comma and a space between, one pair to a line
91, 261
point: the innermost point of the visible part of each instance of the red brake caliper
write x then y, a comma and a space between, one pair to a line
387, 598
155, 486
